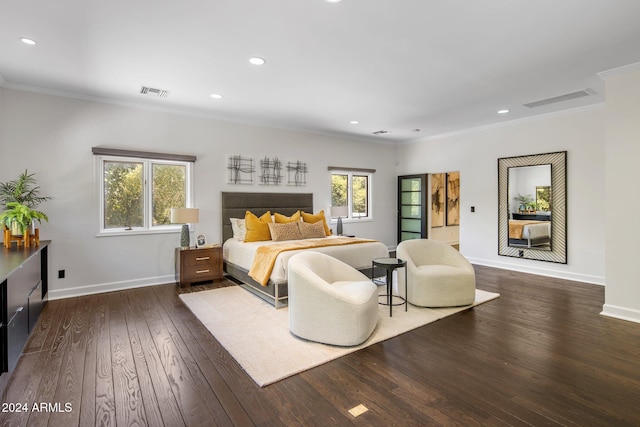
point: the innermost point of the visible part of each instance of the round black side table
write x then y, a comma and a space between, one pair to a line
390, 264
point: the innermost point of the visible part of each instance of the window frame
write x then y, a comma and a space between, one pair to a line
147, 189
350, 173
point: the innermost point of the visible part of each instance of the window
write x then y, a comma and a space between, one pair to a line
352, 188
137, 193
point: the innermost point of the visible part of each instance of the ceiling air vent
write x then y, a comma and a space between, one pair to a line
381, 132
154, 92
561, 98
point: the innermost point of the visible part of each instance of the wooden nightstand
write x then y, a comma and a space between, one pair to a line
198, 265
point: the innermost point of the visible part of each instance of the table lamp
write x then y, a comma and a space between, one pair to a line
339, 211
185, 216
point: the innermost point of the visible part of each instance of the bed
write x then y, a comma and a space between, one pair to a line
238, 256
529, 233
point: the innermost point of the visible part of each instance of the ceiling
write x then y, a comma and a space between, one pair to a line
414, 68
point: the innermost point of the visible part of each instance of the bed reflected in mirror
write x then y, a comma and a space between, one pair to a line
532, 207
529, 207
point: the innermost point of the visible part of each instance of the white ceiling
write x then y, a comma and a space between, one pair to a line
397, 65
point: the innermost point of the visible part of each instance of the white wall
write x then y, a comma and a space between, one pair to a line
475, 154
622, 174
52, 136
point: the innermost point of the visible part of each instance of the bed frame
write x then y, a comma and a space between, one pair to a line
531, 243
235, 205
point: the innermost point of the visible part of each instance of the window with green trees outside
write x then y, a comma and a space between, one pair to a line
352, 189
138, 194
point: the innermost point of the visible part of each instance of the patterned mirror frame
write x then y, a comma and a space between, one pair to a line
558, 162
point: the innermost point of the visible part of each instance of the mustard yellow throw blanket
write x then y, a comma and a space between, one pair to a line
516, 227
266, 255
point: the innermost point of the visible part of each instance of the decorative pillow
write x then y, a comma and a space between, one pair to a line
312, 218
286, 231
239, 227
257, 228
311, 230
282, 219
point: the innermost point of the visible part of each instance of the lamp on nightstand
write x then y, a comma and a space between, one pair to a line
185, 216
339, 211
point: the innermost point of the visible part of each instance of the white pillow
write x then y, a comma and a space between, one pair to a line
239, 227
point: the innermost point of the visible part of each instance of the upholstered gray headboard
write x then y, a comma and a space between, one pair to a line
235, 205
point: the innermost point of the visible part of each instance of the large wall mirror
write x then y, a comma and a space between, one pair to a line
532, 207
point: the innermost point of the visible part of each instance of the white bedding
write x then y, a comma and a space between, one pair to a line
358, 255
535, 231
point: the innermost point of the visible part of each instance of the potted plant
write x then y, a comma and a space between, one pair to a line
20, 197
22, 190
525, 203
22, 215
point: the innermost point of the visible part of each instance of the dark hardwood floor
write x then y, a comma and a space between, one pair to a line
539, 355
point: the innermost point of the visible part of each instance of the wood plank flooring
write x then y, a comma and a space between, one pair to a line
539, 355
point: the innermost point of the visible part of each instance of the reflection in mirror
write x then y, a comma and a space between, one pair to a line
529, 214
532, 208
543, 197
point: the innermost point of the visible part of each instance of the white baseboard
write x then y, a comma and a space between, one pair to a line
108, 287
621, 313
541, 271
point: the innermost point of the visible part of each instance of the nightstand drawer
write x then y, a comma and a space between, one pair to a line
199, 274
200, 257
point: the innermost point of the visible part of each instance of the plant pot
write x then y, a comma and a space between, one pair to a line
15, 229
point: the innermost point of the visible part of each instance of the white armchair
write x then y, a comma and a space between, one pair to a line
329, 301
437, 274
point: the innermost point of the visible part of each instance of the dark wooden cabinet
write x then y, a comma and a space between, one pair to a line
198, 265
23, 281
532, 216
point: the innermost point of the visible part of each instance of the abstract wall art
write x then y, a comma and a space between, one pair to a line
240, 170
297, 173
437, 199
271, 171
453, 198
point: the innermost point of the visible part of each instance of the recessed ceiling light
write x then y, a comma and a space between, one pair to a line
334, 1
505, 111
256, 60
216, 96
27, 40
354, 122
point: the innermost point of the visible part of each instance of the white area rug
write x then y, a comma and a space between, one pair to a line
257, 335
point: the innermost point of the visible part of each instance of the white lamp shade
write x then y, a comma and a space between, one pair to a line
339, 211
185, 215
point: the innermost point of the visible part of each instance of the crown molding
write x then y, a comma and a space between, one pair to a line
614, 72
505, 123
